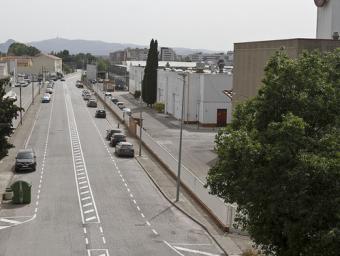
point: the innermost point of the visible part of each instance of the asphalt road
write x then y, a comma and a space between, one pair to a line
85, 200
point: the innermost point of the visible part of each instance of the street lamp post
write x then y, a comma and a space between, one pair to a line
180, 142
20, 104
32, 84
140, 125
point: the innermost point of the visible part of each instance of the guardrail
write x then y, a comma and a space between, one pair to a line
223, 213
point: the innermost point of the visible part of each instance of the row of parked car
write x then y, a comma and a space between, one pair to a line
119, 104
116, 137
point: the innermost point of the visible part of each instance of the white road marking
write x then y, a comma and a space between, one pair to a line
138, 208
128, 190
148, 223
89, 211
142, 215
85, 192
9, 221
35, 210
134, 201
86, 198
84, 187
173, 248
131, 195
101, 229
86, 205
85, 231
91, 218
104, 241
86, 241
77, 147
2, 227
194, 251
155, 232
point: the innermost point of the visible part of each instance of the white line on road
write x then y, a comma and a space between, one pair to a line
101, 229
194, 251
10, 221
148, 223
85, 231
85, 192
155, 232
104, 241
86, 198
138, 208
91, 218
86, 241
173, 248
142, 215
86, 205
89, 211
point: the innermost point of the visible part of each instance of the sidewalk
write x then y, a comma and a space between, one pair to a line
231, 243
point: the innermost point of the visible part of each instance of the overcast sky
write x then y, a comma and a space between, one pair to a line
208, 24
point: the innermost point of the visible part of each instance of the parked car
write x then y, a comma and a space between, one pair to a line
49, 90
62, 79
100, 113
11, 95
120, 104
46, 98
114, 100
127, 111
124, 149
116, 138
79, 84
87, 97
92, 103
110, 132
108, 94
85, 91
25, 160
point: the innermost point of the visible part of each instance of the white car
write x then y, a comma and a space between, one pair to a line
127, 111
11, 95
46, 98
108, 94
120, 104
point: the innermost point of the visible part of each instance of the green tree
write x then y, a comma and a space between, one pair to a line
279, 160
149, 83
8, 111
19, 49
103, 64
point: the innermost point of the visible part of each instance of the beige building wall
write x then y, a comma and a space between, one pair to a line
250, 59
50, 64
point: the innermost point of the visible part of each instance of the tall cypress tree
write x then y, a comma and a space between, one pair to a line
146, 78
153, 73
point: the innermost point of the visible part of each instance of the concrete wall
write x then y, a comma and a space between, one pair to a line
91, 72
203, 94
251, 58
328, 20
3, 70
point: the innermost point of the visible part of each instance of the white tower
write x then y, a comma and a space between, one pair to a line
328, 23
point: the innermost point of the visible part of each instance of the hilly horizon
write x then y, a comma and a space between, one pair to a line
95, 47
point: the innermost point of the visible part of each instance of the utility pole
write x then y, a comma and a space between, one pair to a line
140, 124
32, 84
180, 142
20, 104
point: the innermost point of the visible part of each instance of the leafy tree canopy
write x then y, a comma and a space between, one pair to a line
19, 49
8, 111
279, 160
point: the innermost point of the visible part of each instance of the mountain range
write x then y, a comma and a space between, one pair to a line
98, 48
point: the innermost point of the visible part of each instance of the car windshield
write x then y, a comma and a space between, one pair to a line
126, 146
25, 155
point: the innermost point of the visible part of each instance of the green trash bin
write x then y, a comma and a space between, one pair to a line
21, 192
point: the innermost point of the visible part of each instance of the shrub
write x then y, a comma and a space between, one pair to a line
159, 106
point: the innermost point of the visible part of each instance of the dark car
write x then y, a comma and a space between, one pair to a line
25, 160
62, 79
100, 113
92, 103
110, 132
116, 138
124, 149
